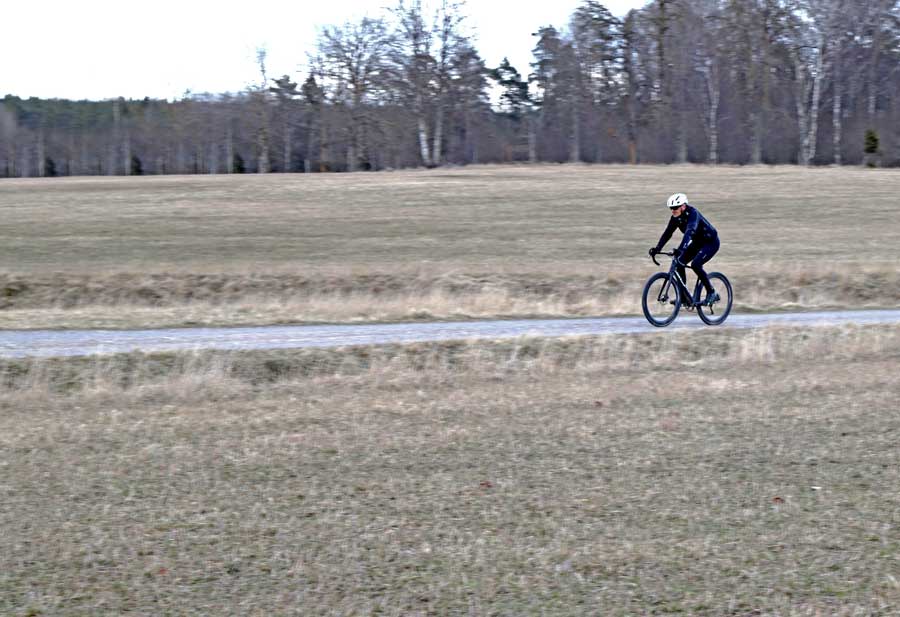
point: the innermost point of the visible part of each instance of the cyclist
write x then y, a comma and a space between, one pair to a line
699, 244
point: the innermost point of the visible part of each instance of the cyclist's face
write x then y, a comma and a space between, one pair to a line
677, 211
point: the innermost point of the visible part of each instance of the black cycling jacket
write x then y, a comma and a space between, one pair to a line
693, 225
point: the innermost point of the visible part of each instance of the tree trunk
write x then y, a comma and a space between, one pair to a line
662, 61
324, 154
354, 135
262, 142
599, 152
761, 116
351, 155
532, 139
471, 144
836, 112
41, 156
575, 143
71, 165
872, 80
84, 163
8, 129
467, 139
288, 147
423, 132
438, 135
113, 155
229, 151
680, 139
802, 89
631, 96
111, 159
323, 149
310, 137
213, 158
712, 120
181, 159
359, 143
816, 96
126, 153
423, 142
802, 126
632, 132
755, 138
25, 165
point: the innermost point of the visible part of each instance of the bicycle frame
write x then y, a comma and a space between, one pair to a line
681, 287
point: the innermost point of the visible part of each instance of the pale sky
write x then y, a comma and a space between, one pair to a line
98, 49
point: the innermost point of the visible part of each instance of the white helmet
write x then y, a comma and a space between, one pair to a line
677, 200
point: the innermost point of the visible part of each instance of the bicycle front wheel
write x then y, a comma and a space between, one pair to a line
716, 313
660, 300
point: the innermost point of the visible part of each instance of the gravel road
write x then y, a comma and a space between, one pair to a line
48, 343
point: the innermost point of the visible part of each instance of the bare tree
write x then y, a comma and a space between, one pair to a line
837, 48
413, 62
113, 154
707, 59
766, 25
449, 41
808, 51
709, 68
355, 60
879, 10
422, 57
260, 97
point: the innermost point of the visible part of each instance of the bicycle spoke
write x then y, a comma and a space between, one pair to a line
658, 304
716, 312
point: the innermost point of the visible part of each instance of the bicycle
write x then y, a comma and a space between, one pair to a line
662, 297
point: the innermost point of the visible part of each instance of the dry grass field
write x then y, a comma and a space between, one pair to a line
755, 475
472, 242
713, 473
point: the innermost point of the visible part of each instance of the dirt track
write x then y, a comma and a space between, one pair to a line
49, 343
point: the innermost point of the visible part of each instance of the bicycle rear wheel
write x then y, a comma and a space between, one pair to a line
717, 313
660, 300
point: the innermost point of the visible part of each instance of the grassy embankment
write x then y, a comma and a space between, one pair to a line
730, 473
445, 244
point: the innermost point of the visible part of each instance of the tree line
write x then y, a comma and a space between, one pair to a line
712, 81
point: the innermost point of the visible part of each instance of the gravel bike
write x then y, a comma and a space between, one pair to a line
665, 292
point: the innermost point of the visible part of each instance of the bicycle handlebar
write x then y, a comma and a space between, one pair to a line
667, 254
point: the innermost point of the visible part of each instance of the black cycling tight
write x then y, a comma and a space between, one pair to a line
698, 254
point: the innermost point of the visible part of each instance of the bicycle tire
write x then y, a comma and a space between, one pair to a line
707, 313
648, 287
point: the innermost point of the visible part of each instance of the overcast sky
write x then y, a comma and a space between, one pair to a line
97, 49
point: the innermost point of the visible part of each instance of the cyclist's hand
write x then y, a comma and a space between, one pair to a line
654, 252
